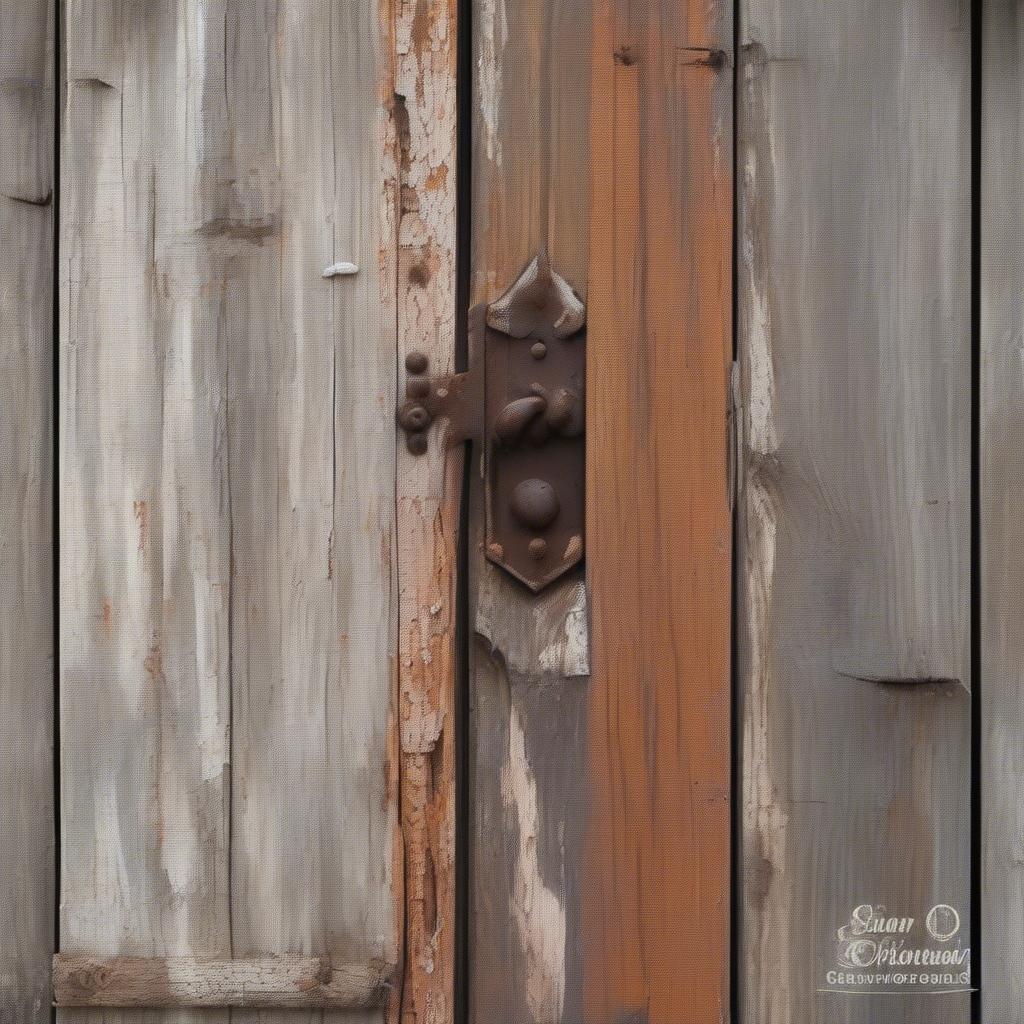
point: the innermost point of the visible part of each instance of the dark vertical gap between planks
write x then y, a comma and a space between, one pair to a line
975, 586
463, 631
735, 738
58, 97
462, 802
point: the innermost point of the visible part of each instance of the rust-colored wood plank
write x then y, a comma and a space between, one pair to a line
854, 517
26, 522
656, 895
423, 115
266, 983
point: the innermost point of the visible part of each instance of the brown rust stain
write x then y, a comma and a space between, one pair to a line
420, 274
153, 663
141, 510
656, 891
437, 179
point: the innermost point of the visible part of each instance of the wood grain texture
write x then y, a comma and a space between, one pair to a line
26, 522
529, 662
854, 522
1001, 501
229, 718
277, 982
429, 501
656, 903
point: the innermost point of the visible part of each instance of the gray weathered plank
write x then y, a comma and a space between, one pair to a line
314, 818
854, 340
1001, 501
272, 982
26, 480
228, 686
531, 189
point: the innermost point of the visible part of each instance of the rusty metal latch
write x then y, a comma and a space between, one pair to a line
523, 399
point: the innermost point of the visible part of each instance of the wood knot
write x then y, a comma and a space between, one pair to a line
624, 55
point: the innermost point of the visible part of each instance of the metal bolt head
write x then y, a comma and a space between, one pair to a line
416, 443
414, 417
538, 350
535, 504
416, 362
417, 387
538, 548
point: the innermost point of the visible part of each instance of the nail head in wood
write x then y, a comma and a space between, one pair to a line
416, 362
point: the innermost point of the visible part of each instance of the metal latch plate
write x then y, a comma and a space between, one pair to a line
535, 352
532, 390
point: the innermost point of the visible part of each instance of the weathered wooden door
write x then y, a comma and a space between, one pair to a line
509, 511
229, 587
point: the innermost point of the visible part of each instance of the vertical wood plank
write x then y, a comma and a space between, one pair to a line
1002, 498
656, 904
144, 684
854, 339
530, 190
229, 714
26, 522
429, 501
311, 443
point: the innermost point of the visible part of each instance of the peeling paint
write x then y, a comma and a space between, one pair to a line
537, 911
568, 655
493, 32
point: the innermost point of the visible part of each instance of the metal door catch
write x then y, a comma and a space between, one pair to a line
523, 398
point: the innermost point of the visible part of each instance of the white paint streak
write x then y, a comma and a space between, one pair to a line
505, 314
536, 910
342, 269
568, 655
110, 868
761, 435
492, 35
178, 857
766, 818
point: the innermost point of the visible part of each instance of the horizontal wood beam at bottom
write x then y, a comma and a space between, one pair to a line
261, 983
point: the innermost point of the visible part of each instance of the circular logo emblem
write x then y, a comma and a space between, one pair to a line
942, 922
